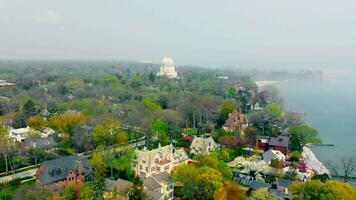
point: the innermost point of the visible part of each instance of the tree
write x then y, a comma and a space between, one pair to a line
344, 168
150, 104
263, 194
36, 122
37, 154
321, 177
226, 108
276, 163
137, 192
86, 193
230, 191
160, 130
231, 93
97, 162
69, 191
66, 122
136, 82
29, 107
5, 146
301, 135
274, 110
316, 189
122, 138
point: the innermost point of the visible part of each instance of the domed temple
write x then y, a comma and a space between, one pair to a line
167, 68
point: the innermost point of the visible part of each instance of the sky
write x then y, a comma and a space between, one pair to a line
240, 33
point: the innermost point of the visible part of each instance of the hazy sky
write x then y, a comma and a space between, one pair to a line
256, 33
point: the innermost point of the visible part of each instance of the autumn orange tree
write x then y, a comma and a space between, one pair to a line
230, 191
66, 122
36, 122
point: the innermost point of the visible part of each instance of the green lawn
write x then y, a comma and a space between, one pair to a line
19, 170
6, 193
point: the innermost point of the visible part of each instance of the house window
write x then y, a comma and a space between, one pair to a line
140, 166
146, 169
166, 167
152, 169
143, 161
158, 168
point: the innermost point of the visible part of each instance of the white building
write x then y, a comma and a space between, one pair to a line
202, 145
269, 155
20, 134
167, 68
156, 161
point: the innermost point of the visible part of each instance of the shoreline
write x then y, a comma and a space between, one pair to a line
264, 83
313, 162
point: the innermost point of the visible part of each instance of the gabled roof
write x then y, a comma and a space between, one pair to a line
200, 142
279, 193
58, 169
153, 195
283, 182
258, 185
119, 184
280, 140
234, 117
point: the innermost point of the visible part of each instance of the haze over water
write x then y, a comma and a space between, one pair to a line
330, 107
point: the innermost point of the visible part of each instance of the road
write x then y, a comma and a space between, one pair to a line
31, 172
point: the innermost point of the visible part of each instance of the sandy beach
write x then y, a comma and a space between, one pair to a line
264, 83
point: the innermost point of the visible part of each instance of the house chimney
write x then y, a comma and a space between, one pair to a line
79, 167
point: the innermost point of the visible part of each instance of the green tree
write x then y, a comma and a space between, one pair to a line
86, 193
160, 130
137, 192
69, 191
231, 93
29, 107
316, 189
263, 194
276, 163
150, 104
226, 108
301, 135
136, 82
274, 110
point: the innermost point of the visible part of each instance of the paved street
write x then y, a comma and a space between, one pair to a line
31, 172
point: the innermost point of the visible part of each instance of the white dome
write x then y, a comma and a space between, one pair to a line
167, 61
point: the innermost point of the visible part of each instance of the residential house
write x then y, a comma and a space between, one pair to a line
159, 187
60, 172
115, 189
46, 144
235, 120
202, 145
270, 155
280, 143
21, 134
156, 161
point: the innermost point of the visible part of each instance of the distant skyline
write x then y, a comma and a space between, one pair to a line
264, 34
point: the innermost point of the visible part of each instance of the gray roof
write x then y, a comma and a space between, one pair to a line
153, 195
58, 169
283, 182
258, 185
162, 177
279, 193
41, 143
280, 140
151, 184
243, 180
119, 185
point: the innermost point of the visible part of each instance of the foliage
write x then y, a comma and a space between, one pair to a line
66, 122
274, 110
150, 104
230, 191
276, 163
262, 194
301, 135
321, 177
316, 189
36, 122
137, 190
226, 108
160, 130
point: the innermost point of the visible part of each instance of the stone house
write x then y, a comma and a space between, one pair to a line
202, 145
156, 161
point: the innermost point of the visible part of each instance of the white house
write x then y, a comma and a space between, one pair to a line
20, 134
202, 145
269, 155
156, 161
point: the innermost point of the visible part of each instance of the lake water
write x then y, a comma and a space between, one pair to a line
330, 107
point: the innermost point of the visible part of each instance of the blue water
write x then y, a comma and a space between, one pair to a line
330, 107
